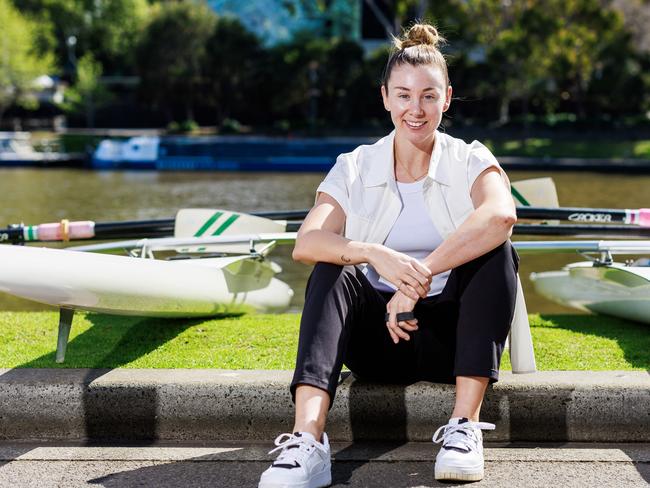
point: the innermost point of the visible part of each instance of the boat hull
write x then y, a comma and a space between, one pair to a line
616, 290
142, 287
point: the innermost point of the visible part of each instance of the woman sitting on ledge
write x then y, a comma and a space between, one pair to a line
415, 276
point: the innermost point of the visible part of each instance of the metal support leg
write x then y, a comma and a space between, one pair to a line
65, 322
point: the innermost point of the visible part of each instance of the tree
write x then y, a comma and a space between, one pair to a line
512, 37
342, 67
109, 29
20, 63
232, 69
171, 54
292, 78
548, 52
87, 94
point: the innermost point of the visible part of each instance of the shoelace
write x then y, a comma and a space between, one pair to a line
304, 446
451, 434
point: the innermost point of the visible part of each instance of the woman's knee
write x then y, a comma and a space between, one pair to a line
331, 269
502, 260
326, 276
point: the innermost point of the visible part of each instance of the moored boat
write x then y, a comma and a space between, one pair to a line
16, 150
224, 153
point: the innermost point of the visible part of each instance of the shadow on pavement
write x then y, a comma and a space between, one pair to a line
14, 454
365, 422
198, 472
138, 336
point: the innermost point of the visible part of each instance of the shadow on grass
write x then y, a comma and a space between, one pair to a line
633, 338
114, 341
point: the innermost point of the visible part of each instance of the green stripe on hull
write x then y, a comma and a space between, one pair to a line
519, 197
207, 224
226, 224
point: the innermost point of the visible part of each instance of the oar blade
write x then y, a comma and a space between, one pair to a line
204, 222
535, 192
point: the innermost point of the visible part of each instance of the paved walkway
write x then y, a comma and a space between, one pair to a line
239, 464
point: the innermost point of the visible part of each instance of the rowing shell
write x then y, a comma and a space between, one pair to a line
144, 287
615, 289
599, 286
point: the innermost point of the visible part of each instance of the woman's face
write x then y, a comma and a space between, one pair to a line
416, 98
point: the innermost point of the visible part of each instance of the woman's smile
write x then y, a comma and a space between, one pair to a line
415, 125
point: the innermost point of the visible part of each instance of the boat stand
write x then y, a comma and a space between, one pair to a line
65, 323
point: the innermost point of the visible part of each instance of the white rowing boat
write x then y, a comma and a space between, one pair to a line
599, 285
143, 286
146, 287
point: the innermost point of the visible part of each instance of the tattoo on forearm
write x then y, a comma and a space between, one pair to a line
344, 259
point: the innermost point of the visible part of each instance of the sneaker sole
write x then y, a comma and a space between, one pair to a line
459, 476
321, 480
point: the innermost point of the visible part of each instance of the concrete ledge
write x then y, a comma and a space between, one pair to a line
191, 405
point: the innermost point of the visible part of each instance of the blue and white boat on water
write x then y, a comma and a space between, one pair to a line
225, 153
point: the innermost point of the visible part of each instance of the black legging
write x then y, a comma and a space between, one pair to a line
461, 332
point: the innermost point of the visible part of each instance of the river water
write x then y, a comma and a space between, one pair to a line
35, 196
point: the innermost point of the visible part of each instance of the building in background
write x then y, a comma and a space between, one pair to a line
368, 22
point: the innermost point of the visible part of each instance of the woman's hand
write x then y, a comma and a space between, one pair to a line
400, 303
407, 274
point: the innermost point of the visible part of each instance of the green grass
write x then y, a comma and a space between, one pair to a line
28, 339
538, 147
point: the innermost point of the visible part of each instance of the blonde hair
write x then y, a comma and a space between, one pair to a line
417, 46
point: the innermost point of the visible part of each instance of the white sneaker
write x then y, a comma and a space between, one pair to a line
461, 455
303, 462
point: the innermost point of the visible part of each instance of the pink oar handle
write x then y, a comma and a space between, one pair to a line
61, 231
644, 217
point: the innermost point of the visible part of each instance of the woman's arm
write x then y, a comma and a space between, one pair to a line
320, 236
320, 239
486, 228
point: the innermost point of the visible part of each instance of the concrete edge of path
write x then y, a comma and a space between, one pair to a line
341, 451
194, 405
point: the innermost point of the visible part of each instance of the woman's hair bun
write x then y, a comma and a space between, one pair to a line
420, 34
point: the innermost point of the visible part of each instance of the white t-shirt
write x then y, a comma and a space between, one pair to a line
413, 234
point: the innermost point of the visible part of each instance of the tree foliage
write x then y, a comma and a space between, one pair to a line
108, 29
87, 94
232, 70
545, 55
171, 54
509, 60
20, 60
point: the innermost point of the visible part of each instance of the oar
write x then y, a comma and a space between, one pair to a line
640, 216
87, 229
581, 230
251, 223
